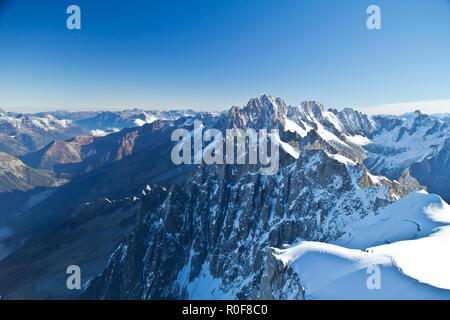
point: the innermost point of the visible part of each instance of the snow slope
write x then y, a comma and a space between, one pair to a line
425, 259
414, 216
332, 272
408, 240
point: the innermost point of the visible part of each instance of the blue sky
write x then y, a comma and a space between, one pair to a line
213, 54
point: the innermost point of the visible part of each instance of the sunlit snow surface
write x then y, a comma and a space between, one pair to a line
408, 240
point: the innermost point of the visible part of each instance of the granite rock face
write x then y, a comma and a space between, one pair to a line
213, 234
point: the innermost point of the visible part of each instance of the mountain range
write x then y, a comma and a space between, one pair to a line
22, 133
99, 190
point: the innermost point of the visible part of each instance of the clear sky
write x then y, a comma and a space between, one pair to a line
212, 54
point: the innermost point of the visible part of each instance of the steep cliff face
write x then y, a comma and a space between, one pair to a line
212, 236
434, 171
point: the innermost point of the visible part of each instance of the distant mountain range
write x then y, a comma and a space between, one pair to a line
141, 227
21, 133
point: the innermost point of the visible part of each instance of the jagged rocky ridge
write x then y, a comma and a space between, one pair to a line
212, 236
386, 144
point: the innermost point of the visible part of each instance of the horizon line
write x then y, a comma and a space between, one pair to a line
441, 106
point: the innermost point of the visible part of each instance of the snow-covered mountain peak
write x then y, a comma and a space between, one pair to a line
263, 112
312, 107
266, 104
356, 122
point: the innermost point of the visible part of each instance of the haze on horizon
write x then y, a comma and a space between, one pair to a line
426, 107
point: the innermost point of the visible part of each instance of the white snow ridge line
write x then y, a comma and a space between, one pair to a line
412, 260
